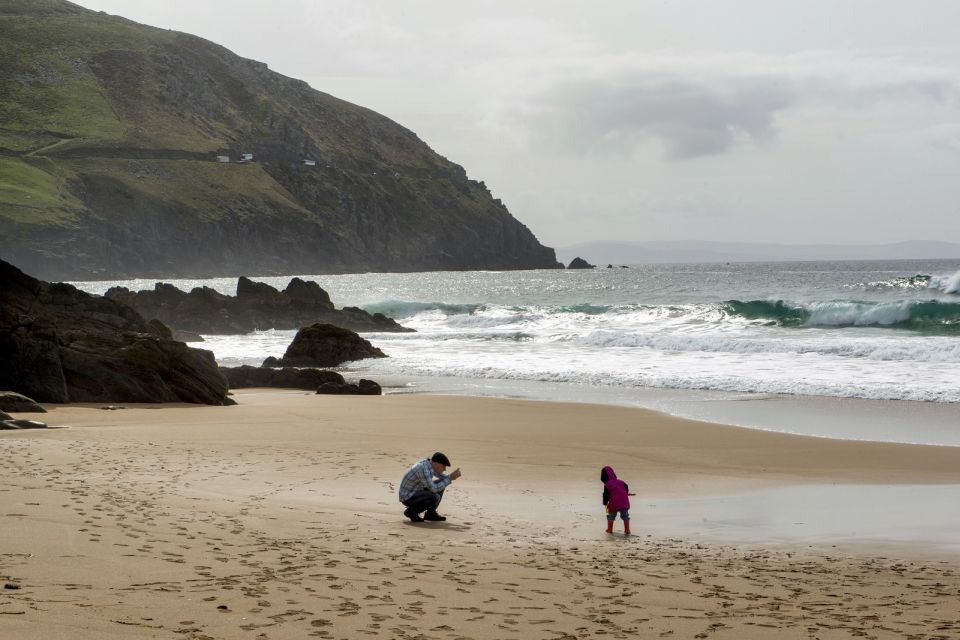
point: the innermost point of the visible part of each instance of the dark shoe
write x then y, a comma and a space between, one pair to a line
433, 516
413, 515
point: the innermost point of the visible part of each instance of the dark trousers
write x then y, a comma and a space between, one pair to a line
423, 501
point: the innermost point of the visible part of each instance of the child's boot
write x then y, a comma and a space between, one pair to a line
626, 527
609, 526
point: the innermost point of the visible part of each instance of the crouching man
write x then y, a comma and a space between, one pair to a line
422, 488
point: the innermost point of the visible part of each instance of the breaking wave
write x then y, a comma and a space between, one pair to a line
399, 309
942, 283
947, 284
930, 316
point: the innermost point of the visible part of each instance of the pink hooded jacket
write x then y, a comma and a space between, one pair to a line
615, 490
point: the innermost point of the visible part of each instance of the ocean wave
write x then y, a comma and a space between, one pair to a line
427, 338
408, 309
919, 281
947, 284
929, 350
849, 388
400, 309
588, 309
930, 316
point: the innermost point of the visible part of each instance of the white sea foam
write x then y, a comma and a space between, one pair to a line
933, 349
831, 377
947, 284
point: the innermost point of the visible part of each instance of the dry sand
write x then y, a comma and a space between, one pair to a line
278, 518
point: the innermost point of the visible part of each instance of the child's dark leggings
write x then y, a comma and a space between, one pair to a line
624, 515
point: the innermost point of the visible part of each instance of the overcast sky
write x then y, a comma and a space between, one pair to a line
809, 121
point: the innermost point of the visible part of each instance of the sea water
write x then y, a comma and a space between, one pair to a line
769, 345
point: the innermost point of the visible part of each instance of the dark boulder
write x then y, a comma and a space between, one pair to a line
245, 377
59, 344
257, 305
324, 345
369, 388
580, 263
17, 403
341, 388
362, 388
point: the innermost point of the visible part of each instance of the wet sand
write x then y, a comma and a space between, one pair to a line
278, 518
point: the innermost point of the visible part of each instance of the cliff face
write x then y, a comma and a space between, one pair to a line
109, 133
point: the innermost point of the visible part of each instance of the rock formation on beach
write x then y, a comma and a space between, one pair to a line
362, 388
256, 306
131, 151
324, 345
320, 380
245, 377
59, 344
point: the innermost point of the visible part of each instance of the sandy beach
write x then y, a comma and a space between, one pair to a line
278, 518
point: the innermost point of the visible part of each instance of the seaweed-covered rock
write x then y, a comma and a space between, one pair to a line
338, 388
245, 377
362, 388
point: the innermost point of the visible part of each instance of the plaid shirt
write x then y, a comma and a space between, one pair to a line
419, 477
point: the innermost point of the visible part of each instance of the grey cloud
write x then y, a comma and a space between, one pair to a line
690, 119
701, 110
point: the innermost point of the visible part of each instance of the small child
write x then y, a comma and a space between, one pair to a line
616, 498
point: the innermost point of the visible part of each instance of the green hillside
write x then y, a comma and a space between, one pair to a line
109, 137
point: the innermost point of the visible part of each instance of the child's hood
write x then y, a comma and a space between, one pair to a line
607, 474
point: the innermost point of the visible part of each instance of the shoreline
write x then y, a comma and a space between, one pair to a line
835, 418
141, 522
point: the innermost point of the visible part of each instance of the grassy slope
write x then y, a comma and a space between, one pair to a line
35, 193
212, 190
127, 116
57, 103
50, 92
